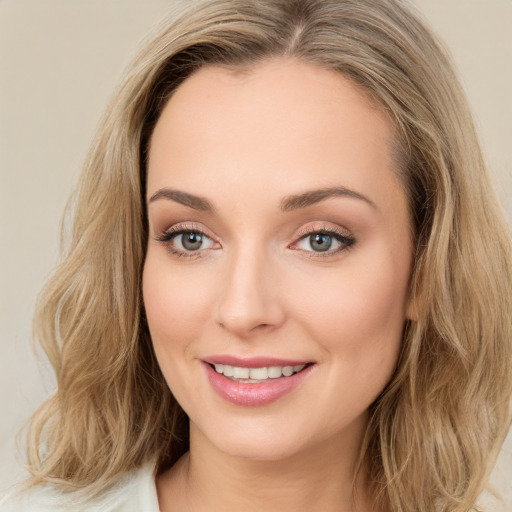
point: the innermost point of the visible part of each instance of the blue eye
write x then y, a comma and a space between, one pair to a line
324, 242
190, 241
320, 242
183, 241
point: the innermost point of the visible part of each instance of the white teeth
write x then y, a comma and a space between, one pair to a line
228, 370
288, 371
274, 372
240, 373
258, 374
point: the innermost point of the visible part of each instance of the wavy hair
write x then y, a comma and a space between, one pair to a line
437, 427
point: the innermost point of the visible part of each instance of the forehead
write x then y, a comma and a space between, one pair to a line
282, 124
295, 87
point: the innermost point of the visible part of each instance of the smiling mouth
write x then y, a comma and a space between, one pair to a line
255, 381
257, 375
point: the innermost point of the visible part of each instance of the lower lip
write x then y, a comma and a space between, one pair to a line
263, 393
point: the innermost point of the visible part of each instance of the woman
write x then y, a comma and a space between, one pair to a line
288, 277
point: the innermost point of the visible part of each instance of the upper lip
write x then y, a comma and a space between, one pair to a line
253, 362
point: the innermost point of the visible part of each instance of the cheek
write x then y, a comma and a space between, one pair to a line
176, 306
357, 311
177, 313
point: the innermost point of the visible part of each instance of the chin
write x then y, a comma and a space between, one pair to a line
266, 440
265, 449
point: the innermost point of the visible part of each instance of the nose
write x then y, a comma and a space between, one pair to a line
249, 301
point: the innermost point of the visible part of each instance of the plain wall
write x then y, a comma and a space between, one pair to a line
59, 63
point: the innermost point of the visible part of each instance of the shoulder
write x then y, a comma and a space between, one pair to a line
135, 492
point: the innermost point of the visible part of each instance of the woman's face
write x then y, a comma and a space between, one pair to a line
279, 242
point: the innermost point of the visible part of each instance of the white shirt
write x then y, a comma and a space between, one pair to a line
135, 492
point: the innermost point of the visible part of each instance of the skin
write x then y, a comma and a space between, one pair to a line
244, 141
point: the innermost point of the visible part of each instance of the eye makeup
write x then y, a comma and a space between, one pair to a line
186, 240
318, 240
190, 241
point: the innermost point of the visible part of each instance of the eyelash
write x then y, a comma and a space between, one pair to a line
168, 235
346, 241
173, 232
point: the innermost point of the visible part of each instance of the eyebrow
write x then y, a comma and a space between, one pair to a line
289, 203
312, 197
184, 198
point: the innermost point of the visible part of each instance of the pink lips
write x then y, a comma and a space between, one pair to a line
253, 394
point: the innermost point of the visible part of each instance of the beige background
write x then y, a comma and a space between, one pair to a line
59, 63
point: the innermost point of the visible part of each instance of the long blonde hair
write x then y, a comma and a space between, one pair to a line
436, 429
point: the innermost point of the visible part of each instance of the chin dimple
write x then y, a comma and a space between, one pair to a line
254, 375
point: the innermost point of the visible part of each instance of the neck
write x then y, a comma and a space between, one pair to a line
320, 478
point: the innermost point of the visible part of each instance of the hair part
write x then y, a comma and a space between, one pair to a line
436, 429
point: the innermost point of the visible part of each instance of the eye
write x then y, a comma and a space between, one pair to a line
191, 241
326, 241
185, 242
318, 242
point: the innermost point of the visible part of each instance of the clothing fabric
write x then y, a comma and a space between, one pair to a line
135, 492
